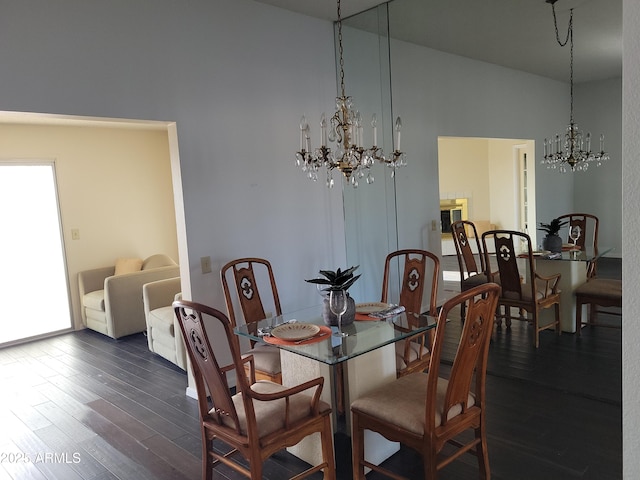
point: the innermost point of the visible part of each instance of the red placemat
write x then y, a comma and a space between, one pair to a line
365, 317
323, 334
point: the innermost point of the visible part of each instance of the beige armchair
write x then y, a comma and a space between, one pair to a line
163, 330
112, 304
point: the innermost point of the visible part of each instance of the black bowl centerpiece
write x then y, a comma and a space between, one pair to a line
552, 241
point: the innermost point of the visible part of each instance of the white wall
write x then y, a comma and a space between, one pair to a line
631, 233
114, 186
597, 191
236, 99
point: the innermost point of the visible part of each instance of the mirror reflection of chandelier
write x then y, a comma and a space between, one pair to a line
346, 129
571, 151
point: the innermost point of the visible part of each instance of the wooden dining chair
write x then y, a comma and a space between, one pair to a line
245, 274
426, 411
413, 353
472, 273
526, 291
588, 227
262, 417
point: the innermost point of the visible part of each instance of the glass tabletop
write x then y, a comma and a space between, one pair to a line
364, 335
587, 255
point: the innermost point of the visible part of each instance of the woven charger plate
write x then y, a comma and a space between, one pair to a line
371, 307
292, 332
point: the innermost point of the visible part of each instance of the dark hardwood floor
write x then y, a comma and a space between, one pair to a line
82, 406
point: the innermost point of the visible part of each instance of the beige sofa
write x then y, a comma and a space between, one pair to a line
163, 331
112, 304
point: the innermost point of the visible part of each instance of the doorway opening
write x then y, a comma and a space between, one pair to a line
34, 268
496, 180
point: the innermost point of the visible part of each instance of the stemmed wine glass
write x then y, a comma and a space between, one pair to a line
338, 305
574, 235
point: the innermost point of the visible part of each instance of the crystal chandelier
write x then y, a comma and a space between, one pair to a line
345, 128
572, 151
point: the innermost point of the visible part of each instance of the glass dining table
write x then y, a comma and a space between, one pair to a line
573, 266
351, 365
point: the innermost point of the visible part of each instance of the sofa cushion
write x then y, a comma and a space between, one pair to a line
128, 265
156, 261
161, 321
94, 300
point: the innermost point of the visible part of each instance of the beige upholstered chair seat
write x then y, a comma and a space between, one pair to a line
526, 294
401, 403
473, 281
598, 292
266, 358
414, 353
270, 416
605, 288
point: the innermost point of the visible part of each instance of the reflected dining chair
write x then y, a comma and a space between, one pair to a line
426, 411
587, 225
597, 292
527, 291
244, 274
262, 417
413, 353
471, 274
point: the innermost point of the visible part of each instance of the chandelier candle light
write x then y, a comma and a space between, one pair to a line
345, 129
573, 152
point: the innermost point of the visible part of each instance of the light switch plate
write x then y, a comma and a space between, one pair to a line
205, 264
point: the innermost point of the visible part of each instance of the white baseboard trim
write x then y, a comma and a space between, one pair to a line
192, 392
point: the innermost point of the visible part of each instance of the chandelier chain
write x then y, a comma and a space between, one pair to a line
568, 38
340, 50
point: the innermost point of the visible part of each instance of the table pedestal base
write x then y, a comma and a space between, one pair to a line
361, 374
573, 274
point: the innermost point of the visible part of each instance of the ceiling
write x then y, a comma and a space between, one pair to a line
517, 34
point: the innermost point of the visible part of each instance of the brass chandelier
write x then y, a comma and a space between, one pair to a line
572, 151
345, 128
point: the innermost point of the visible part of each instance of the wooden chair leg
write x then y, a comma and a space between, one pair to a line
357, 444
430, 462
327, 450
579, 317
482, 452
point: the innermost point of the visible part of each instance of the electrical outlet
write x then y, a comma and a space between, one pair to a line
75, 234
205, 264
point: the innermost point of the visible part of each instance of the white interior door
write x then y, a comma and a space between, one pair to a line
33, 282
